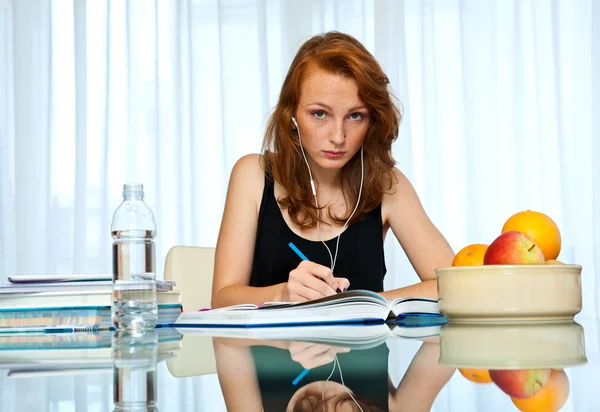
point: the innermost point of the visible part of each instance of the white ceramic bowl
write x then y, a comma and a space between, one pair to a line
521, 345
509, 293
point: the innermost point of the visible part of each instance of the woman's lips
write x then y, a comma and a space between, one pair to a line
333, 154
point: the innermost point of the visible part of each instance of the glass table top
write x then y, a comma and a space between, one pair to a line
505, 367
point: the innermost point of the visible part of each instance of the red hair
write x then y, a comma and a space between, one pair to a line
337, 53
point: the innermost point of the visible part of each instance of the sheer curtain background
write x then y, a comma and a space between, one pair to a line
501, 103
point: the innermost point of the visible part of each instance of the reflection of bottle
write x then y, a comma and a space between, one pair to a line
134, 370
134, 262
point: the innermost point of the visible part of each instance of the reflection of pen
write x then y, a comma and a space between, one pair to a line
300, 376
67, 329
57, 329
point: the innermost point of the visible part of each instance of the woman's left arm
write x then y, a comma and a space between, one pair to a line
424, 245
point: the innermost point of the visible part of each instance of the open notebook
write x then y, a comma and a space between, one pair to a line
359, 306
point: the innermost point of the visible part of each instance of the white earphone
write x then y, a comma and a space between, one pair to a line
314, 192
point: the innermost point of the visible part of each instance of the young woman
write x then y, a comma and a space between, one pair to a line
325, 182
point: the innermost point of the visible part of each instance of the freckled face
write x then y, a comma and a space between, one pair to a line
332, 119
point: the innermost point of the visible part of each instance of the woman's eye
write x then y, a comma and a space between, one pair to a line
319, 114
356, 116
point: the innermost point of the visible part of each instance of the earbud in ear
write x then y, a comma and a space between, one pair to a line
295, 122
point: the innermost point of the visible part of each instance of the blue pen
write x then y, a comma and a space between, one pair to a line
295, 249
303, 257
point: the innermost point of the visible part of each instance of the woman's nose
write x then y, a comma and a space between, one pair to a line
338, 135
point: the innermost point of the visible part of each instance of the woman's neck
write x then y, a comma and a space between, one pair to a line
326, 179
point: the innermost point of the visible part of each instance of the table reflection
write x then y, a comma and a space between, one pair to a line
261, 374
501, 367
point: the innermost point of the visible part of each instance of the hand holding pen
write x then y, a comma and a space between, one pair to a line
311, 281
328, 284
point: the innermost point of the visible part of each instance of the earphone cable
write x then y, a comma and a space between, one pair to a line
362, 178
336, 361
314, 192
333, 259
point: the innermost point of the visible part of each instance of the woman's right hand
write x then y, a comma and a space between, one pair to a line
310, 281
311, 355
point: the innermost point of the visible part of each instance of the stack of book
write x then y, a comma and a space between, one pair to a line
73, 302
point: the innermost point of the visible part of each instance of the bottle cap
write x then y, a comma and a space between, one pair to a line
133, 189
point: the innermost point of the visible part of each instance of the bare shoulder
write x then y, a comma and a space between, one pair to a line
401, 196
247, 177
400, 181
250, 166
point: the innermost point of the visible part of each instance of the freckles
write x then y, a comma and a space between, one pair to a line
360, 129
319, 128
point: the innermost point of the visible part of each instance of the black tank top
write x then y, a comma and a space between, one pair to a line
360, 256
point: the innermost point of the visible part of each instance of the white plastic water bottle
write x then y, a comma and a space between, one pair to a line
134, 262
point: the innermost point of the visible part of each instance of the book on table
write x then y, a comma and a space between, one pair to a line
72, 294
73, 278
359, 306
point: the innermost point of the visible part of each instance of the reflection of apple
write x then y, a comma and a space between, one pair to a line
550, 398
513, 248
521, 383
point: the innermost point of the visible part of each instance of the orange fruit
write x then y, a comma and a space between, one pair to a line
554, 262
540, 228
550, 398
471, 255
476, 375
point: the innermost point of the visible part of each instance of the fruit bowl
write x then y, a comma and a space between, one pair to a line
509, 293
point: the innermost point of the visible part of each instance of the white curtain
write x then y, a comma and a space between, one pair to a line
501, 104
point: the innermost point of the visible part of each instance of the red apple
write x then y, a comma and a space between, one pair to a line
513, 248
520, 383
